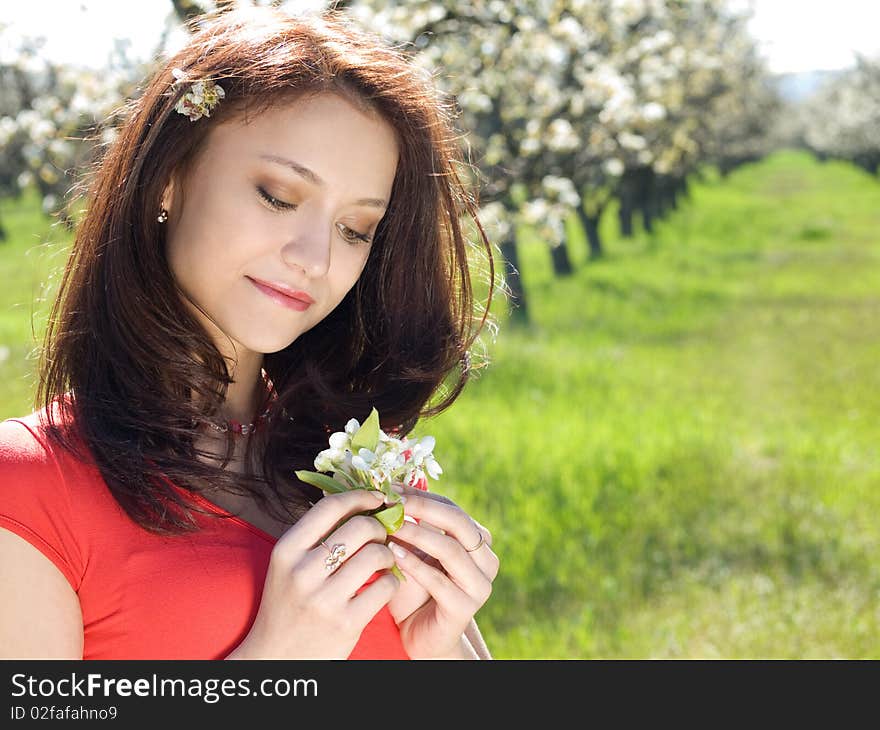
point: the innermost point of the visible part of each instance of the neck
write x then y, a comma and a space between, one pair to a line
243, 408
245, 396
246, 393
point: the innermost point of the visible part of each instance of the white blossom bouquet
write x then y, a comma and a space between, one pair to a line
365, 457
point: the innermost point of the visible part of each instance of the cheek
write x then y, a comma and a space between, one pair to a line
345, 274
217, 229
214, 247
355, 271
175, 254
199, 262
359, 263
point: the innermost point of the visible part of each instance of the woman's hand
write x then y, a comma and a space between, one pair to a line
309, 611
448, 561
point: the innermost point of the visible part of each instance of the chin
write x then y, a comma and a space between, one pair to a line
269, 344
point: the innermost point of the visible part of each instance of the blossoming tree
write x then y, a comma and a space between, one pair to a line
566, 107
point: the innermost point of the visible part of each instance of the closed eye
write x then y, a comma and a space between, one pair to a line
274, 202
354, 236
347, 233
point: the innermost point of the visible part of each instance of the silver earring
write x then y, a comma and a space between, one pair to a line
163, 216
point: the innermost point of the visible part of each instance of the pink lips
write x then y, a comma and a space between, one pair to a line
297, 300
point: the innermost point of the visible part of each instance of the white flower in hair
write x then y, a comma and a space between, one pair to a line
202, 97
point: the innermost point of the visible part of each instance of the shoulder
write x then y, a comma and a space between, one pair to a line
31, 447
36, 502
28, 460
32, 463
24, 440
40, 555
24, 450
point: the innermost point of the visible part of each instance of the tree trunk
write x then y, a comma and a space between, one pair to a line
684, 189
647, 200
648, 217
629, 194
518, 304
625, 214
591, 229
663, 196
561, 260
673, 196
661, 206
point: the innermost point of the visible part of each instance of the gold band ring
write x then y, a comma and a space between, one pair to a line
479, 544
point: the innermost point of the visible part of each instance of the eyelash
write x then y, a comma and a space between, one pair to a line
281, 205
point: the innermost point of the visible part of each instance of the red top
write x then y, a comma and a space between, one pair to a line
143, 596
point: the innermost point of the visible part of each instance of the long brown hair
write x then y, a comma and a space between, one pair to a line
126, 362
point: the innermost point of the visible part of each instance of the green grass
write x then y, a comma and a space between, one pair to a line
679, 456
31, 263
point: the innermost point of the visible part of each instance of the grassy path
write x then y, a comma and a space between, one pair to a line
682, 451
679, 457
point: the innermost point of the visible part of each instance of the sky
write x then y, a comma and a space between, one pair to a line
807, 35
794, 35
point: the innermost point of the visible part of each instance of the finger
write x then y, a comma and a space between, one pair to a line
428, 526
407, 491
351, 577
337, 548
482, 554
354, 533
345, 543
421, 553
410, 597
366, 604
444, 514
324, 516
450, 598
482, 539
460, 566
404, 491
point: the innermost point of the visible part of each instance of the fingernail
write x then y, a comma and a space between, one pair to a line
397, 487
378, 495
398, 550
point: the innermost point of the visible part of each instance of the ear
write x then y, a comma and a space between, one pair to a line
169, 194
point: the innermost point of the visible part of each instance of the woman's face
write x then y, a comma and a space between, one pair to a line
287, 199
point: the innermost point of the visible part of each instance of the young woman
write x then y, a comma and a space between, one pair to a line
273, 245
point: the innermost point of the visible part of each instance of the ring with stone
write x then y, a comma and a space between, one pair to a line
334, 557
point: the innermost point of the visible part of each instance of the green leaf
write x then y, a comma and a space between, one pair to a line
391, 517
321, 481
367, 436
400, 576
349, 480
392, 497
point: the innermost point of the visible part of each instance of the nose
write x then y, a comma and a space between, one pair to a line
308, 247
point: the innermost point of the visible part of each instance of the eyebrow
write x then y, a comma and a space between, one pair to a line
313, 178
